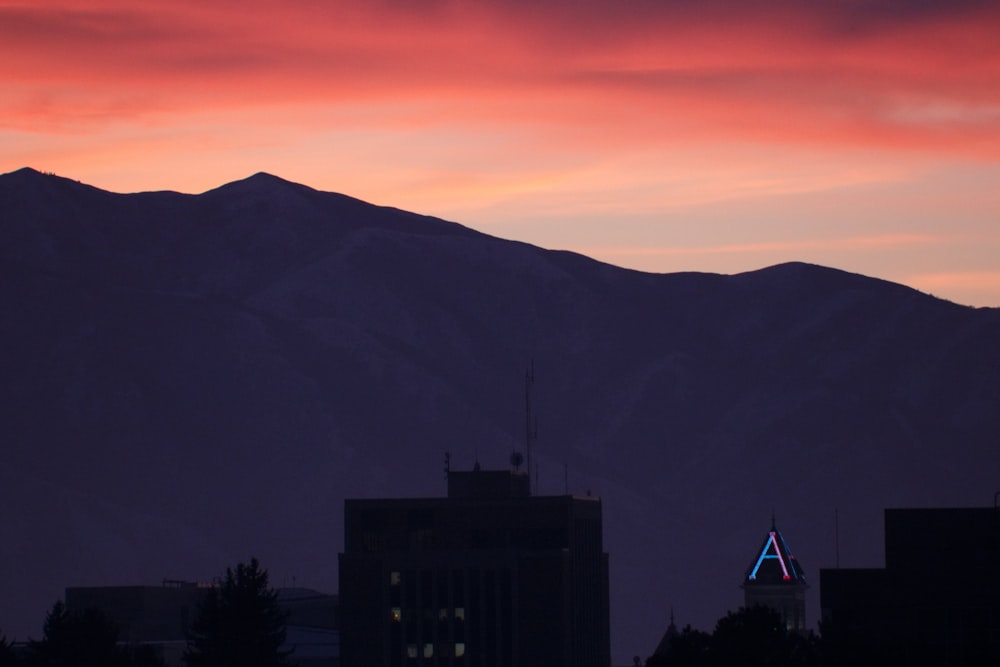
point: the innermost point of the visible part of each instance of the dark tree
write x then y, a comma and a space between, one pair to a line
8, 658
239, 623
141, 656
750, 637
689, 648
756, 636
84, 639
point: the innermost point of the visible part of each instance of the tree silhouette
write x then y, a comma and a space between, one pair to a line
84, 639
750, 637
689, 648
239, 623
8, 658
87, 638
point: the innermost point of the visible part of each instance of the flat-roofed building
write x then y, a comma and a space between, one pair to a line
936, 601
489, 576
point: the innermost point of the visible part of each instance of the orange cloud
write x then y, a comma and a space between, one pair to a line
823, 73
518, 113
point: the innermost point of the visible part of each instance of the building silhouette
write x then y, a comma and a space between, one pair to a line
489, 576
775, 579
156, 616
936, 601
669, 637
160, 617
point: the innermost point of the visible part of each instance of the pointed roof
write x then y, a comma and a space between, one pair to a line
668, 637
774, 562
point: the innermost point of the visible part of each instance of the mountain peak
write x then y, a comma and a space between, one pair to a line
28, 173
272, 332
33, 179
261, 182
265, 177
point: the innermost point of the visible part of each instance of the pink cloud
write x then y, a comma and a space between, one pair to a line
549, 108
775, 71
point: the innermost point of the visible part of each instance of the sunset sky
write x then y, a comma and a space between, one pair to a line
662, 135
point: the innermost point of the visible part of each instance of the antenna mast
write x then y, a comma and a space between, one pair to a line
836, 534
530, 422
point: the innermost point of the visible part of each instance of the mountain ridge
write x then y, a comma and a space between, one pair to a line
188, 379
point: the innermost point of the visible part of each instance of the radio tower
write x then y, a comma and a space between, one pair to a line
530, 421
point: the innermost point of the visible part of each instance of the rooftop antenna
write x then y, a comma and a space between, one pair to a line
836, 535
530, 422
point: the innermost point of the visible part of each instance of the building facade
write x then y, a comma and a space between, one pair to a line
489, 576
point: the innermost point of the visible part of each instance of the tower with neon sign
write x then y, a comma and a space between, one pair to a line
774, 579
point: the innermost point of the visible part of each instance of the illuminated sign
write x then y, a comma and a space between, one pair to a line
771, 550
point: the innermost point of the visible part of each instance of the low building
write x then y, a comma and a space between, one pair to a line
159, 616
936, 601
312, 630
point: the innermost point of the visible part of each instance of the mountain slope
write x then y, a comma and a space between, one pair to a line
191, 379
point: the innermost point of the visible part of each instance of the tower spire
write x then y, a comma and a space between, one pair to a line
530, 421
775, 579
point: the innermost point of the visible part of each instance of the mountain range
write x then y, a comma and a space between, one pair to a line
190, 380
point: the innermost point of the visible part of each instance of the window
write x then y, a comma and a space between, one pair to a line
394, 578
396, 614
428, 650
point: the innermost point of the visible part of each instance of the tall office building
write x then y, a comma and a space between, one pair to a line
489, 576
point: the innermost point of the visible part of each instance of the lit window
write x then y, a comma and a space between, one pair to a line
396, 614
459, 649
428, 650
394, 578
443, 614
460, 613
411, 650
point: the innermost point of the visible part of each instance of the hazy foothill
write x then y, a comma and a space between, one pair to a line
190, 378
